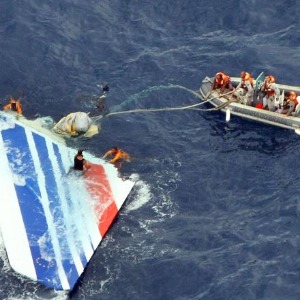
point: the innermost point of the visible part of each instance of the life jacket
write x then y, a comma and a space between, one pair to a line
119, 154
267, 88
223, 80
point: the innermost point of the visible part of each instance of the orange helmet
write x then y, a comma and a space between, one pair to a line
270, 78
245, 75
292, 95
220, 75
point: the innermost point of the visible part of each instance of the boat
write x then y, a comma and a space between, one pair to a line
230, 106
53, 218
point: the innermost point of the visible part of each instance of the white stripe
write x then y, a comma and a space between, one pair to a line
64, 207
45, 203
91, 220
120, 188
12, 226
88, 221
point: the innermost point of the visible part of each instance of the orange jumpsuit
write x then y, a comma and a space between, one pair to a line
14, 105
117, 154
222, 81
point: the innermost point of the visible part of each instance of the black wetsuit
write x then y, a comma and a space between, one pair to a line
78, 163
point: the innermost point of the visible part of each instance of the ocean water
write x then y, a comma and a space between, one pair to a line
215, 213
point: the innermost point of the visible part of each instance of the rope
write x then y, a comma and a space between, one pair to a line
193, 106
159, 109
144, 93
218, 107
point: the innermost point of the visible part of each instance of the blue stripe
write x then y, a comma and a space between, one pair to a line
30, 206
56, 209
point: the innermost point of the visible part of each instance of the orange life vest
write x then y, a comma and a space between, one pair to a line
266, 87
117, 154
223, 80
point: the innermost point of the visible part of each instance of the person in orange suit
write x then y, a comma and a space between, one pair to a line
222, 81
14, 105
117, 155
292, 103
244, 91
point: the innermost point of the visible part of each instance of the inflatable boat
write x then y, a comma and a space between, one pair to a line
230, 106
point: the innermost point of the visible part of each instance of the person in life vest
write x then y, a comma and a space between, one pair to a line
292, 103
80, 163
102, 99
272, 93
244, 90
14, 105
222, 82
283, 105
117, 155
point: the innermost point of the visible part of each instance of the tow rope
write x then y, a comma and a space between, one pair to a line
178, 108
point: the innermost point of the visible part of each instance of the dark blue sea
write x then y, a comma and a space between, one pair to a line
215, 212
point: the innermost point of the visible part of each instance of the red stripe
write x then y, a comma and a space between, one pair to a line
100, 190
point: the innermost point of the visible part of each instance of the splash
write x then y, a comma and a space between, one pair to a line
142, 194
6, 123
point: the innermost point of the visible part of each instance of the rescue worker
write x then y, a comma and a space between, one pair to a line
80, 163
272, 93
102, 99
245, 90
283, 105
292, 103
222, 82
14, 105
118, 156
